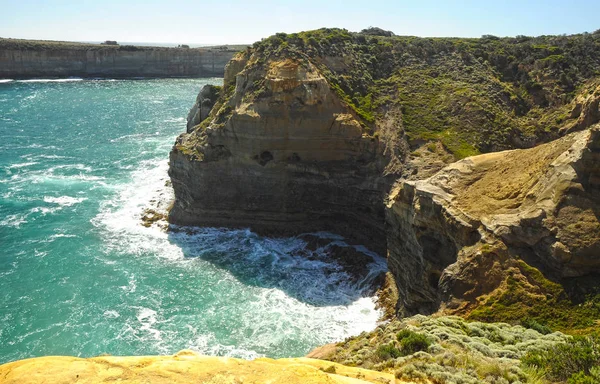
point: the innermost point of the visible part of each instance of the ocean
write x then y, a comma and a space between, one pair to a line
80, 161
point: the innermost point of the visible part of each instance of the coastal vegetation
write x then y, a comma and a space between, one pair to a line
51, 45
449, 349
472, 95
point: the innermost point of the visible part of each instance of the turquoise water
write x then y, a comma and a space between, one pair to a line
80, 161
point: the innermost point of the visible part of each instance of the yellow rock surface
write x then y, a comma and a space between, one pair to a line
184, 367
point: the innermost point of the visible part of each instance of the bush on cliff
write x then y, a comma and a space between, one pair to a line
472, 95
574, 360
450, 349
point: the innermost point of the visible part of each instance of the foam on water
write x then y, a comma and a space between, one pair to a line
290, 292
68, 80
65, 201
81, 275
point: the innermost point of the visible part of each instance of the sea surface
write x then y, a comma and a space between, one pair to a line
80, 161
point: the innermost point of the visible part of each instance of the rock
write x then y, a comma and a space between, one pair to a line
586, 109
27, 59
283, 155
184, 367
205, 101
150, 216
451, 236
233, 67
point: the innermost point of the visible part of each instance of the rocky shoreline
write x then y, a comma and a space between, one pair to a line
281, 152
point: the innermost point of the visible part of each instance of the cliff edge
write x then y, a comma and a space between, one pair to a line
280, 154
363, 135
464, 228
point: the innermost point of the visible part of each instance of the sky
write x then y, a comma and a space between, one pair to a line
243, 22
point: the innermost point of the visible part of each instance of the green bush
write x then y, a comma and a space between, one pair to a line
412, 342
388, 351
574, 359
532, 324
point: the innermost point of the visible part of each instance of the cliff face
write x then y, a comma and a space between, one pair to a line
453, 236
108, 61
286, 158
353, 134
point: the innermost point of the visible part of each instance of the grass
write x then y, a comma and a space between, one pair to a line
576, 360
549, 309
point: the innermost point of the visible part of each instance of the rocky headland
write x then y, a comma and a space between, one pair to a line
353, 133
472, 164
23, 59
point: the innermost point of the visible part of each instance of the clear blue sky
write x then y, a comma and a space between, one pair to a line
237, 21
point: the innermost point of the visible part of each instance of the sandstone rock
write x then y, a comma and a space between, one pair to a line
586, 109
112, 62
281, 155
539, 203
205, 101
184, 367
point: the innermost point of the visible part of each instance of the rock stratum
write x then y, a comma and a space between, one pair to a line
359, 134
460, 230
184, 367
22, 59
295, 161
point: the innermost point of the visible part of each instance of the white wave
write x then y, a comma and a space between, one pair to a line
65, 201
147, 319
2, 81
79, 167
111, 314
70, 79
61, 235
51, 157
208, 345
14, 220
175, 120
121, 216
22, 165
45, 210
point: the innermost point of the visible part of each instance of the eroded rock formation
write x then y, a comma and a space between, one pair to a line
282, 154
307, 137
446, 233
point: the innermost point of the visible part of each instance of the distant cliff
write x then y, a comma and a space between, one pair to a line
29, 59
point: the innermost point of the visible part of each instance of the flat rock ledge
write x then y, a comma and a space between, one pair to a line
184, 367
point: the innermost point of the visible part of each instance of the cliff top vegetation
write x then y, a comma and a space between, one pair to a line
471, 94
50, 45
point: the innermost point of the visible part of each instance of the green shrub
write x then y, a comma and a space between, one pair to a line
532, 324
577, 356
388, 351
412, 342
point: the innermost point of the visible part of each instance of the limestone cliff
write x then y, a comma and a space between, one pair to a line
28, 59
281, 154
184, 367
311, 131
453, 236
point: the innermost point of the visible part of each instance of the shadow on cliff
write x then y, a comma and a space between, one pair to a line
316, 269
